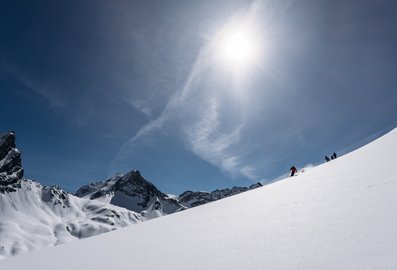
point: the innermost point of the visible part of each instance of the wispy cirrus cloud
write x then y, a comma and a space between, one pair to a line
43, 89
208, 140
207, 113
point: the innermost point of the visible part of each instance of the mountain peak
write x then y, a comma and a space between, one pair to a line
133, 183
131, 191
11, 171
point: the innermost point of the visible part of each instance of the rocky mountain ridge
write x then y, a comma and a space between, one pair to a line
196, 198
135, 193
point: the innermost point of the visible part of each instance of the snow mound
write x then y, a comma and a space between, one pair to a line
339, 215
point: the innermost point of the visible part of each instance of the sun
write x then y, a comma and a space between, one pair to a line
238, 46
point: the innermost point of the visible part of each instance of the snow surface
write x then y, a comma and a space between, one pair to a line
339, 215
36, 216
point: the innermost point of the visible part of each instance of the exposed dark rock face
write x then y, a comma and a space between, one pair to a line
11, 171
55, 195
133, 185
131, 191
95, 190
192, 199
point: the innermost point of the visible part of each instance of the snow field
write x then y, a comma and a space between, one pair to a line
339, 215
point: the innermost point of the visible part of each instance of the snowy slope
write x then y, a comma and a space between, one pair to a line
339, 215
34, 216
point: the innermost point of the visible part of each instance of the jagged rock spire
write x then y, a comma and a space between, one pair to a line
11, 171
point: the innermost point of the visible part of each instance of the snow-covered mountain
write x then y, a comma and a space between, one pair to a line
33, 216
133, 192
338, 215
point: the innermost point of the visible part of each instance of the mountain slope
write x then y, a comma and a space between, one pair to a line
33, 216
339, 215
133, 192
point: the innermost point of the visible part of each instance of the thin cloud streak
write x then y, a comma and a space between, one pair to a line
199, 109
47, 92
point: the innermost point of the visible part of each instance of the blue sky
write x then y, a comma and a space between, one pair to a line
98, 87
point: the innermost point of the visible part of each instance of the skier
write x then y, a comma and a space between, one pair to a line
327, 159
334, 155
293, 170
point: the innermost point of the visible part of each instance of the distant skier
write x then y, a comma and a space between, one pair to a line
334, 155
293, 170
327, 159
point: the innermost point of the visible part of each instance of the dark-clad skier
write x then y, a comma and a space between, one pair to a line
293, 170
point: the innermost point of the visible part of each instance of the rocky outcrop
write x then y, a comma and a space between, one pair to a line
11, 171
196, 198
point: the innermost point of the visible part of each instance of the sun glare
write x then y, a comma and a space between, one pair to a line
238, 47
